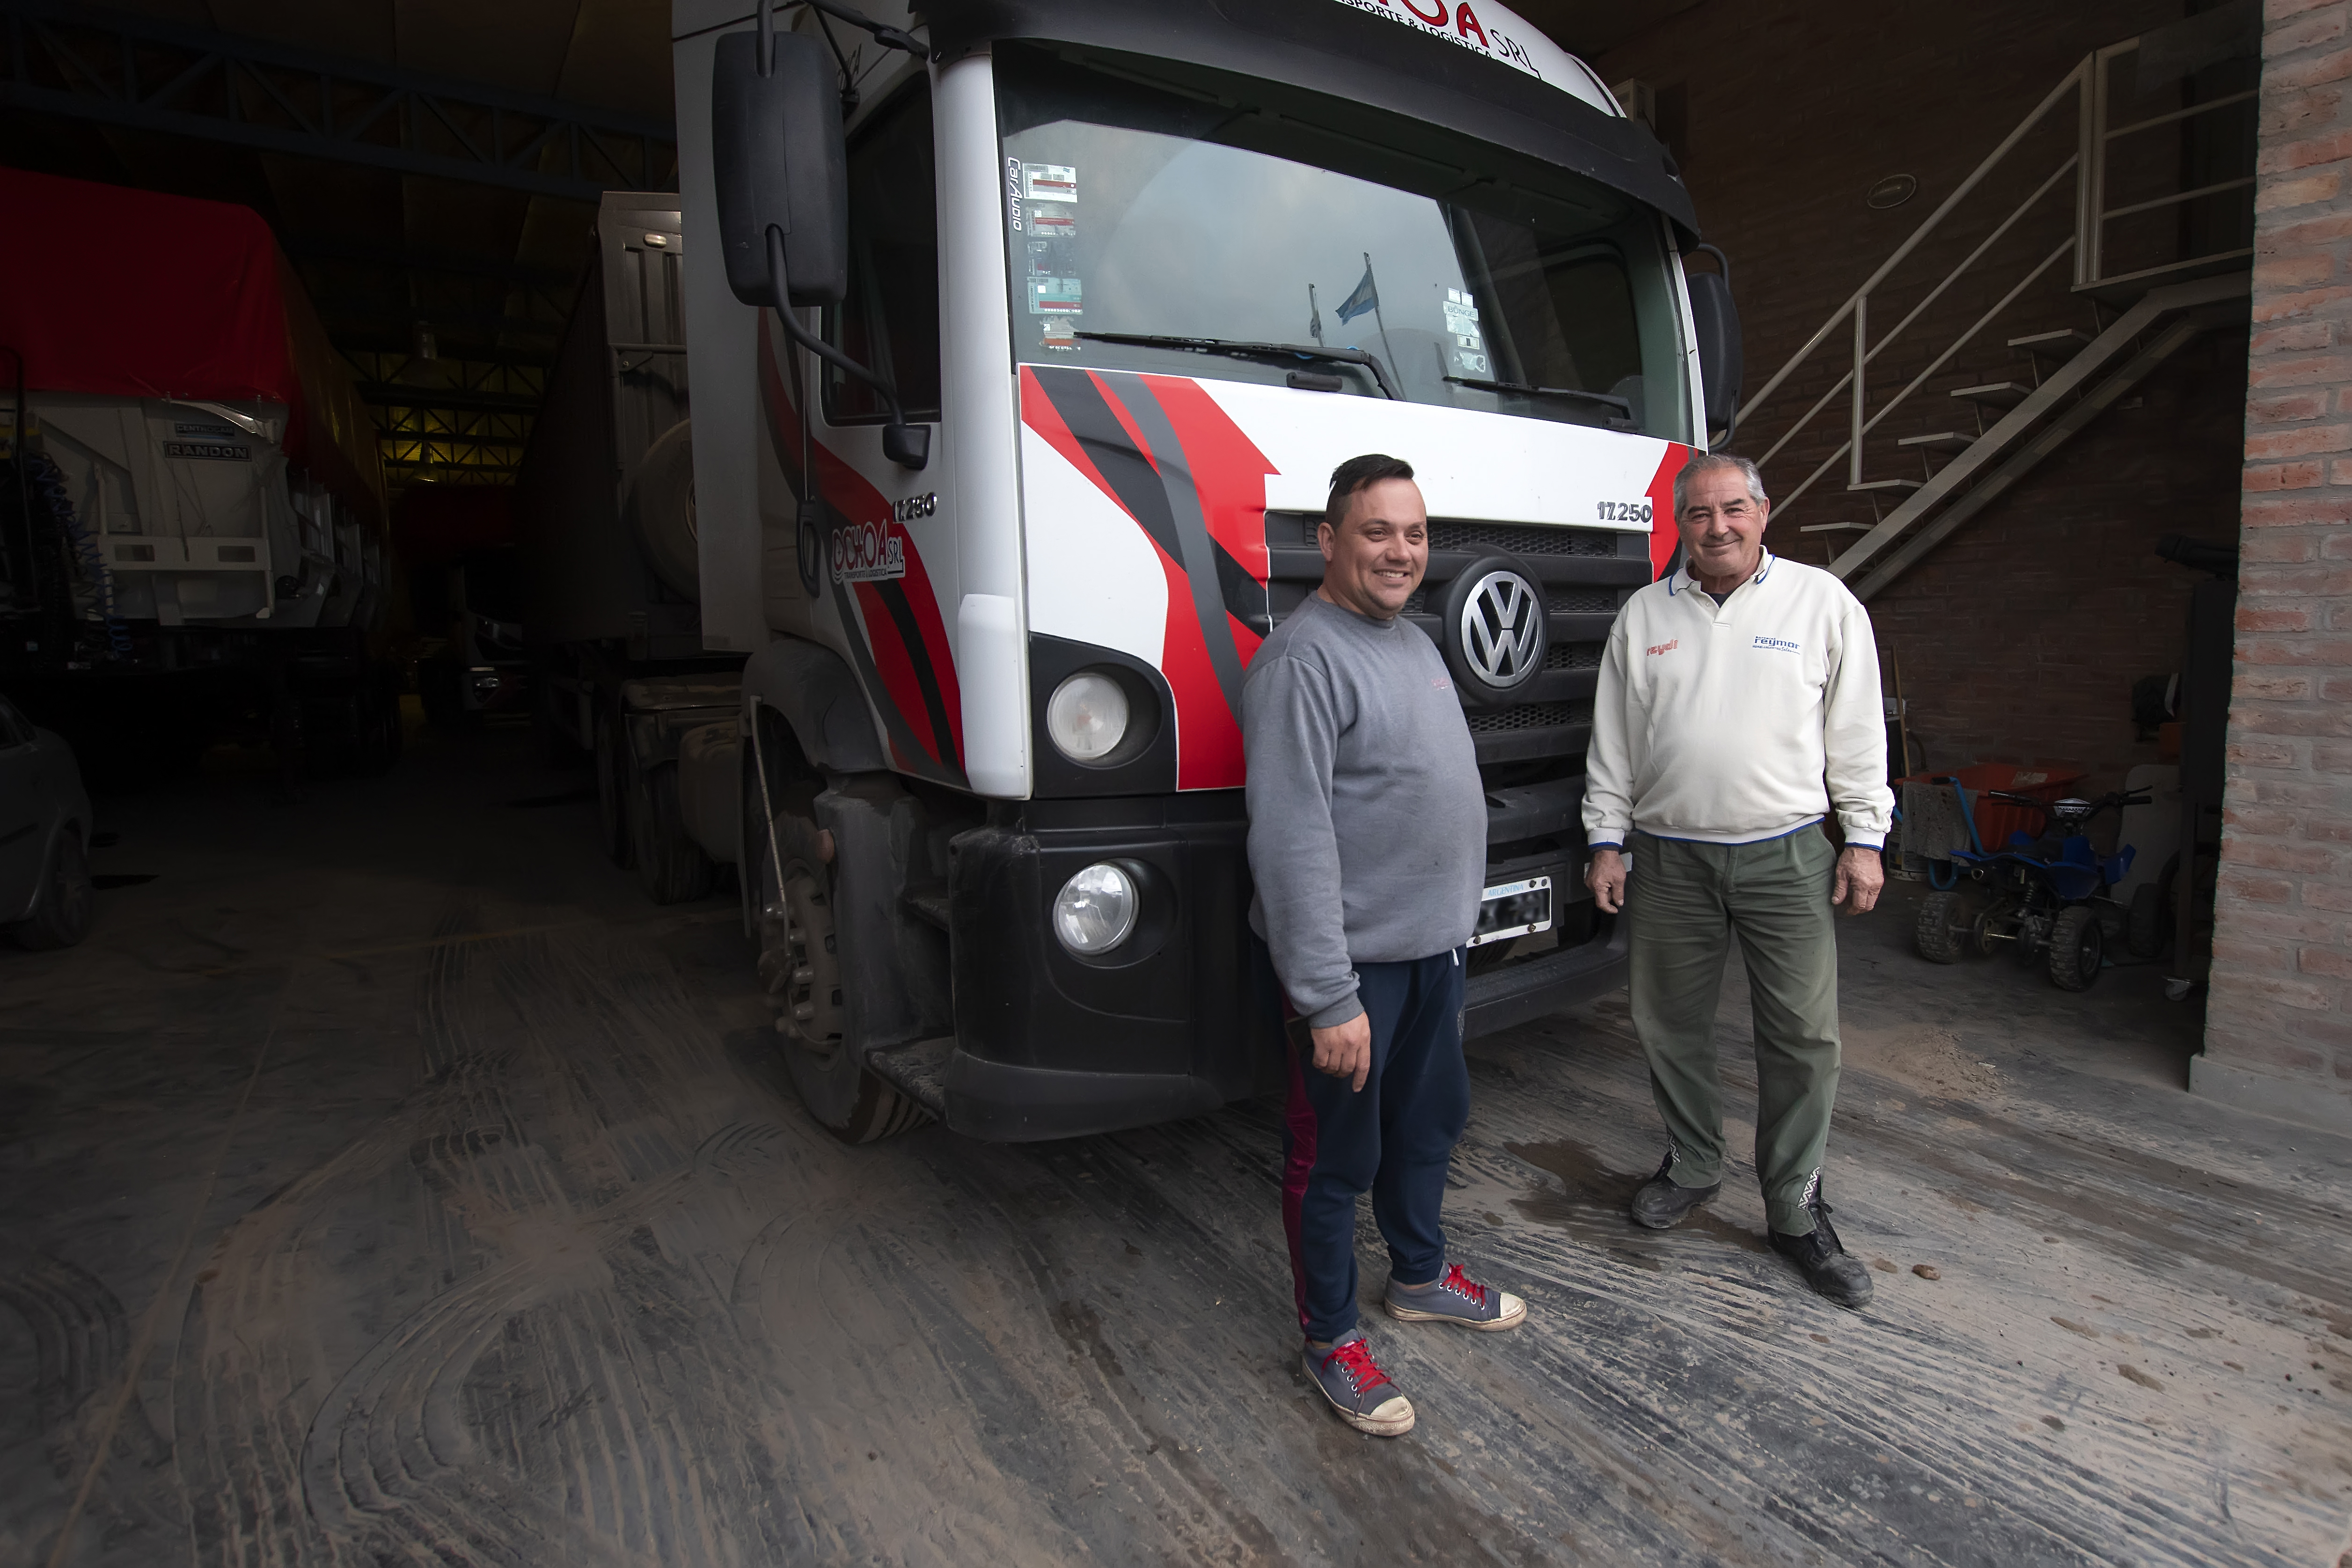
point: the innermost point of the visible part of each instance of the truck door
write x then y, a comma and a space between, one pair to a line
888, 563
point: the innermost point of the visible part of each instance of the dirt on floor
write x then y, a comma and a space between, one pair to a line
390, 1182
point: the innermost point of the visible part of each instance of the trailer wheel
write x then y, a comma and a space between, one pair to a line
68, 899
1937, 934
614, 768
672, 866
2077, 948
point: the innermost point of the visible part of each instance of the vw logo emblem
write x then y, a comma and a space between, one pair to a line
1502, 629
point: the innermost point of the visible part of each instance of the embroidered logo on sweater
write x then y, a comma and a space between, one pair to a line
1668, 646
1774, 645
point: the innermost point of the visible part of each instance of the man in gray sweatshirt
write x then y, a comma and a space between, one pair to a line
1367, 842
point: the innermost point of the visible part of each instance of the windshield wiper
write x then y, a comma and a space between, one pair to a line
1623, 405
1241, 350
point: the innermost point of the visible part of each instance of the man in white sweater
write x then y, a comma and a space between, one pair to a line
1739, 705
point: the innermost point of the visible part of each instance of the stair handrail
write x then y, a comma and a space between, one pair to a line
1854, 382
1992, 160
2088, 80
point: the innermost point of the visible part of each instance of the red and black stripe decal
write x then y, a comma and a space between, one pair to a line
904, 660
1663, 534
1163, 451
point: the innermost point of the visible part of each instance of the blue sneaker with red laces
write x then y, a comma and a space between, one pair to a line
1357, 1387
1458, 1300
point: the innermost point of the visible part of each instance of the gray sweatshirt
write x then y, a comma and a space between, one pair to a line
1368, 825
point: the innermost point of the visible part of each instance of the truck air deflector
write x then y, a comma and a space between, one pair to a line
1327, 48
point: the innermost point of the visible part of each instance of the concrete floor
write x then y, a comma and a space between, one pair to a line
387, 1182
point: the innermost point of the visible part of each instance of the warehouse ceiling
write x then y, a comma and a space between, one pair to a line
430, 166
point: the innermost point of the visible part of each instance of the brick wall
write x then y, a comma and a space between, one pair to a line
2020, 636
2279, 1026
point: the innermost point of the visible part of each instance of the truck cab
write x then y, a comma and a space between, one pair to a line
1000, 511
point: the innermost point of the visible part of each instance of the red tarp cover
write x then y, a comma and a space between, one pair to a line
131, 294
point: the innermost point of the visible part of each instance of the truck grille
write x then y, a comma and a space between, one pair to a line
1529, 716
1559, 601
1522, 539
1586, 575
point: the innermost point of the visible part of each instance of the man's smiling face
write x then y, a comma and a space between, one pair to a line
1376, 557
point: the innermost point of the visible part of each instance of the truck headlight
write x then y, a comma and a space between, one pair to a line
1096, 909
1086, 716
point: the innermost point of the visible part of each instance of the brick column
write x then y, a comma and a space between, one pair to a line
2278, 1029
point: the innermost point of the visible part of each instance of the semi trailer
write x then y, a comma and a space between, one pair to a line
1023, 337
194, 544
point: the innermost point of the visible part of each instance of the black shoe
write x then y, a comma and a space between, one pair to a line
1828, 1267
1659, 1203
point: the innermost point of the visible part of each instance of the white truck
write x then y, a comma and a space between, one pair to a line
1023, 336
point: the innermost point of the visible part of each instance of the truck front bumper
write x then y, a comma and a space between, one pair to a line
1169, 1025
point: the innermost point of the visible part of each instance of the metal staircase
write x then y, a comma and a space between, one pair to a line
2159, 235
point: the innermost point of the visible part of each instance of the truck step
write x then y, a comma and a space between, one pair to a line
1834, 527
918, 1071
928, 903
1940, 441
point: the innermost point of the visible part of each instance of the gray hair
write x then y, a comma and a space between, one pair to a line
1707, 462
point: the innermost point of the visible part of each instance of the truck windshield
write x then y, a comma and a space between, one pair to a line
1213, 227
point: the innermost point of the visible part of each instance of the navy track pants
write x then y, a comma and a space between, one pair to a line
1393, 1138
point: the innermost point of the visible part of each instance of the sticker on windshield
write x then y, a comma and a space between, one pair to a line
1051, 225
1052, 295
1462, 325
1060, 336
1049, 183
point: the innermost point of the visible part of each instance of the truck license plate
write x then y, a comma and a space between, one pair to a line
1513, 908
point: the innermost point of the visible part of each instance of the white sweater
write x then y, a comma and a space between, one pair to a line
1732, 723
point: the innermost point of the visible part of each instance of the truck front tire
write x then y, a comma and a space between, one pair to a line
800, 964
792, 893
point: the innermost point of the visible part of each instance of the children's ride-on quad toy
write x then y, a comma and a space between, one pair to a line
2050, 893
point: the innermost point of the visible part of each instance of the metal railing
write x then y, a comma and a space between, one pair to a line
2088, 83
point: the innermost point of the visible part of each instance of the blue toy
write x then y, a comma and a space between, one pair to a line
2050, 891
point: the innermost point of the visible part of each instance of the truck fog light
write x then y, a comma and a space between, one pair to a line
1087, 716
1096, 909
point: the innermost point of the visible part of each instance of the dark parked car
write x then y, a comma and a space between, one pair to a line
46, 898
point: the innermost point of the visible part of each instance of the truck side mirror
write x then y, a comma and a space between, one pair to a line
781, 168
909, 445
1722, 364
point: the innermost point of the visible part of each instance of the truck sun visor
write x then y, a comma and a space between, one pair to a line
1446, 67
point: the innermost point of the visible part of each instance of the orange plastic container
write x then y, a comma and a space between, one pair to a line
1997, 819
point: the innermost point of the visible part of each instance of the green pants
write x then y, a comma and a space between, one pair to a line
1685, 902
